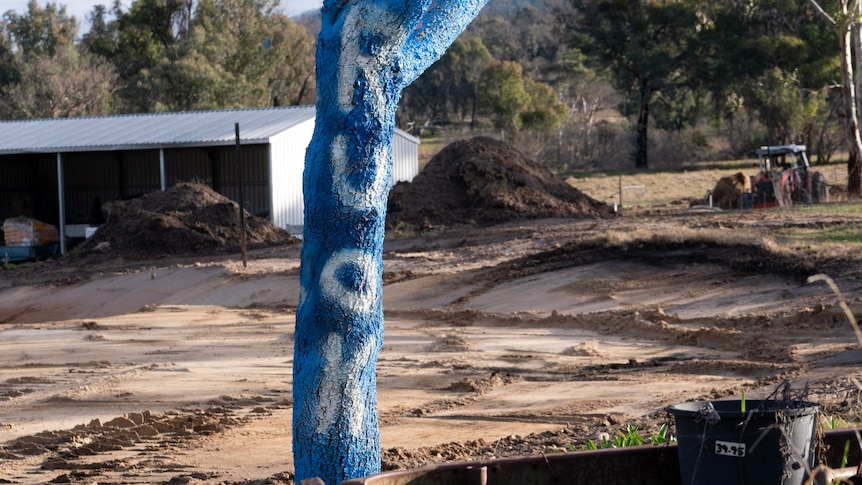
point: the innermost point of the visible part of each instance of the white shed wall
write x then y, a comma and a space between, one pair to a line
405, 157
287, 159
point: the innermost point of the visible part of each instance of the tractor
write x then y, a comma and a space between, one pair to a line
785, 177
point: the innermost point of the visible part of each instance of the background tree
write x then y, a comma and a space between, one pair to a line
784, 108
743, 48
139, 42
525, 35
368, 52
237, 53
505, 96
643, 43
219, 54
435, 98
24, 37
583, 94
449, 88
59, 86
40, 31
846, 22
473, 60
43, 73
541, 118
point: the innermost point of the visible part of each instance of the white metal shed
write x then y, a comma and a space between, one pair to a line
59, 167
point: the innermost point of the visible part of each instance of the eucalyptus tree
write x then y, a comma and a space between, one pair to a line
504, 96
540, 121
847, 21
43, 72
40, 31
783, 106
368, 52
584, 93
645, 46
34, 33
238, 53
65, 84
436, 96
473, 62
525, 35
209, 54
450, 87
518, 105
770, 67
139, 41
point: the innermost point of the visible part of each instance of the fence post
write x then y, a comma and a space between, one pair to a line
621, 191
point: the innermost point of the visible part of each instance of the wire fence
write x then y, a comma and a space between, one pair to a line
692, 187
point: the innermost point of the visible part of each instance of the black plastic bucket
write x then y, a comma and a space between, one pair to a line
772, 443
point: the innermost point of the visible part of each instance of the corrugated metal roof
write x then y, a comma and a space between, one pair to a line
155, 130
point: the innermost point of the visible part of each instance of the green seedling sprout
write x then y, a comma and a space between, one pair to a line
838, 480
630, 437
846, 453
662, 436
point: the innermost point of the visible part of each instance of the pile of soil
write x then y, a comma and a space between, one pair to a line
483, 181
187, 219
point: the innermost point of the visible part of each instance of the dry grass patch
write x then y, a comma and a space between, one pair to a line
651, 189
647, 189
808, 234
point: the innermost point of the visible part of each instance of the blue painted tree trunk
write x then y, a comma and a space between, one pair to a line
368, 51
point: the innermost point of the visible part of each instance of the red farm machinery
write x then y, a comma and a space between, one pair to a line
785, 178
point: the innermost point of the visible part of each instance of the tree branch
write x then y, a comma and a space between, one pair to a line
441, 25
331, 9
822, 12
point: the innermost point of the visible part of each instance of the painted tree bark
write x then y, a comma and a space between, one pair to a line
368, 52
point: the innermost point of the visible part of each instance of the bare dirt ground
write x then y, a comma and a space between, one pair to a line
519, 338
161, 359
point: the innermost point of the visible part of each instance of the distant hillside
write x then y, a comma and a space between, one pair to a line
508, 8
310, 20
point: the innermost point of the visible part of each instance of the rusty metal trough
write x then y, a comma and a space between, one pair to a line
645, 465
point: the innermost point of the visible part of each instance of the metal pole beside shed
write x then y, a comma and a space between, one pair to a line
238, 155
61, 196
162, 175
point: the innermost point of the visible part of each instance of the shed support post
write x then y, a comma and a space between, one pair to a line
61, 197
162, 175
121, 189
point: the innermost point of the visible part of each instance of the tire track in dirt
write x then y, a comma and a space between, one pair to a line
445, 375
136, 448
741, 259
28, 392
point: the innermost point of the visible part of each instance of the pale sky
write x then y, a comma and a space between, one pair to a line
80, 8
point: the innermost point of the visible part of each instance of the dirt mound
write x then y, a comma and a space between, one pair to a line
483, 181
186, 219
